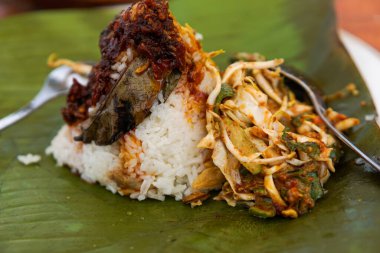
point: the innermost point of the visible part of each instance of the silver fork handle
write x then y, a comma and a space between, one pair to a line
321, 113
37, 102
346, 141
18, 115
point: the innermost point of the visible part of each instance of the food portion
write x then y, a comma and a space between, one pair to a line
156, 119
275, 153
135, 125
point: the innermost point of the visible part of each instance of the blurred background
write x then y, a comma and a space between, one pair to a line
360, 17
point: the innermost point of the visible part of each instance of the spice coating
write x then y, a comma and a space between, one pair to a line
150, 30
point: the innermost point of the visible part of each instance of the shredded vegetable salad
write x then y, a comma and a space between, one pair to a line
275, 153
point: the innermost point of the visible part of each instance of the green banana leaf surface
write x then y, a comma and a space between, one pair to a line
45, 208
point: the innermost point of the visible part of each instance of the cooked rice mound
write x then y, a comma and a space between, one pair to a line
159, 156
92, 162
162, 151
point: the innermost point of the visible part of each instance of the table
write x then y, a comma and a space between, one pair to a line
361, 18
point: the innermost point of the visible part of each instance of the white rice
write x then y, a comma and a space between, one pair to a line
167, 160
171, 159
92, 162
28, 159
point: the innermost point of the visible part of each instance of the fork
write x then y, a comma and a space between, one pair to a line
56, 84
318, 104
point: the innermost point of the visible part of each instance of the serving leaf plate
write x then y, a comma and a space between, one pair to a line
45, 208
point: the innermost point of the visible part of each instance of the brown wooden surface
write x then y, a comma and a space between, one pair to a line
360, 17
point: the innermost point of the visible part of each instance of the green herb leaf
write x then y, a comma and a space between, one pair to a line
297, 121
226, 91
310, 148
263, 208
335, 154
316, 191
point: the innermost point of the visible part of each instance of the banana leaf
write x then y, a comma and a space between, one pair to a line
45, 208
